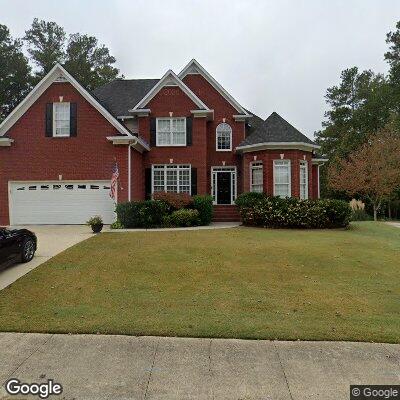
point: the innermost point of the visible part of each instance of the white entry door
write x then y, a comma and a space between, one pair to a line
60, 202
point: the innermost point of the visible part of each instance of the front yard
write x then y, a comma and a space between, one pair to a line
243, 283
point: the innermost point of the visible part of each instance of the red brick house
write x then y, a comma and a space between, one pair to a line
180, 133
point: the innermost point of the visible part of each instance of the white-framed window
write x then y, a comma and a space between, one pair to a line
303, 180
171, 178
256, 177
282, 178
224, 137
171, 132
61, 119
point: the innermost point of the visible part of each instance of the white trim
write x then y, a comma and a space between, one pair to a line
319, 161
194, 67
233, 171
209, 114
170, 144
241, 118
141, 112
129, 173
216, 137
304, 163
168, 79
280, 145
40, 88
5, 141
252, 167
290, 176
165, 168
54, 120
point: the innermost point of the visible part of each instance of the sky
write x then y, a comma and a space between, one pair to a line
270, 55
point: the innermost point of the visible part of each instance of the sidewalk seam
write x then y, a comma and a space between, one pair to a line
151, 369
26, 359
283, 370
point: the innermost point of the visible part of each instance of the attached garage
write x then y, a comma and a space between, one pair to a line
59, 202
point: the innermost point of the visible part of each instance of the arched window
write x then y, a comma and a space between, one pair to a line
224, 137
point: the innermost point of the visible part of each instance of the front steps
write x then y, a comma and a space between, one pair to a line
225, 213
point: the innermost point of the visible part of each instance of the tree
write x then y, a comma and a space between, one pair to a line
15, 78
45, 42
359, 105
393, 58
372, 171
89, 63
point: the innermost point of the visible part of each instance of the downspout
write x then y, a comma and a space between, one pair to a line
129, 167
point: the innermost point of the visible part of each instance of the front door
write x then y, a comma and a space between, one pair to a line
224, 190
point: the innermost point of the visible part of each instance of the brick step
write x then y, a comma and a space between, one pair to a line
225, 213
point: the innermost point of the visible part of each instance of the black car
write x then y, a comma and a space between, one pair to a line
16, 245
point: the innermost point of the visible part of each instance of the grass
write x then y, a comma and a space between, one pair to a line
242, 283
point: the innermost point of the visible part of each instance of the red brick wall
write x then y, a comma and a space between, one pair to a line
172, 99
34, 157
267, 157
222, 109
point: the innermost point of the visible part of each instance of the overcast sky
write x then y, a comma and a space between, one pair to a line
270, 55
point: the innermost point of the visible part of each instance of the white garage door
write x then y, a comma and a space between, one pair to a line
60, 202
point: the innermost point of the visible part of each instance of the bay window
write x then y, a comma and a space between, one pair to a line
171, 178
256, 177
282, 179
171, 132
303, 180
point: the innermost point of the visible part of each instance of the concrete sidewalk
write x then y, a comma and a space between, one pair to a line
123, 367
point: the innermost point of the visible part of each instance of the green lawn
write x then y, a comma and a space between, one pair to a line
242, 283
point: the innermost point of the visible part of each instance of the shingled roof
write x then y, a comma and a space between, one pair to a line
273, 129
121, 95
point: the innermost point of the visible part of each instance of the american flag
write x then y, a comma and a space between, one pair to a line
114, 181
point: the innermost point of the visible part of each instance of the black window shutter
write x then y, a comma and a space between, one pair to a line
194, 181
49, 120
189, 130
153, 140
147, 183
72, 119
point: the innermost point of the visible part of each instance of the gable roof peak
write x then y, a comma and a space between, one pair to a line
194, 67
169, 78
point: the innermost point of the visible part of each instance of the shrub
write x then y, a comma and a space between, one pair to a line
204, 206
174, 200
358, 212
182, 217
257, 209
116, 225
96, 220
141, 214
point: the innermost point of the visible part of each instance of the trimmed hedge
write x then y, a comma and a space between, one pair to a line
204, 205
141, 214
157, 213
258, 209
182, 217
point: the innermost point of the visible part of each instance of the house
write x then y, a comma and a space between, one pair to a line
181, 133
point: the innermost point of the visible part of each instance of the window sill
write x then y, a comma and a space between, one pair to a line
223, 150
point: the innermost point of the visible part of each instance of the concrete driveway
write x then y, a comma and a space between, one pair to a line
52, 239
124, 367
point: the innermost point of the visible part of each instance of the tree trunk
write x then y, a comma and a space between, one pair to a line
390, 209
375, 212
